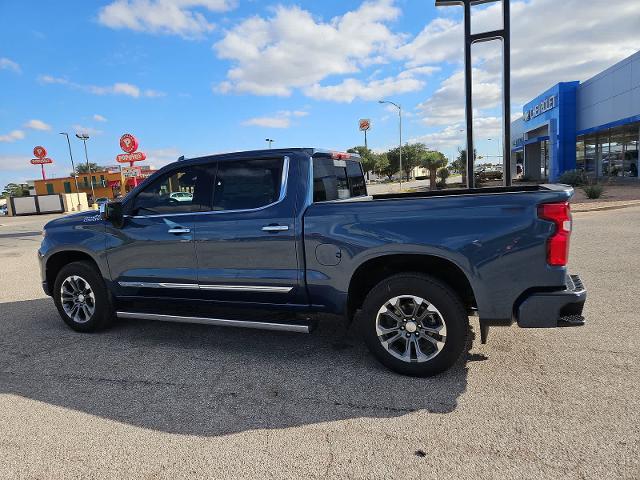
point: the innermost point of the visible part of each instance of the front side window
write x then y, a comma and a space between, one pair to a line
181, 190
248, 184
337, 179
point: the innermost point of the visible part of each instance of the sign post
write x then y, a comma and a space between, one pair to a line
41, 159
364, 125
129, 145
504, 35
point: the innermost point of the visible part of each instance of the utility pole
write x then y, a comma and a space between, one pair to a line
74, 173
269, 141
400, 124
84, 137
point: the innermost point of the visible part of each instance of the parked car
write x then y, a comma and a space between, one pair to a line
181, 196
294, 232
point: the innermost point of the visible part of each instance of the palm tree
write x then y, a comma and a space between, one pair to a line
433, 161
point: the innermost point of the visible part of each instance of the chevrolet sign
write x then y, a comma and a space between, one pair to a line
547, 104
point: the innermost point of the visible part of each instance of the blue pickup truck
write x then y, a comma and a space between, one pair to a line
279, 239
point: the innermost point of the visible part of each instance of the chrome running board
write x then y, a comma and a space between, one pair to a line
221, 322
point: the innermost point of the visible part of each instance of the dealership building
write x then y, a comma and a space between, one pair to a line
592, 126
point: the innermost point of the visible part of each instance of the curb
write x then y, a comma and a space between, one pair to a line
584, 207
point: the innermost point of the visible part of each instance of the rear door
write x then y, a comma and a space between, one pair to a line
153, 254
246, 246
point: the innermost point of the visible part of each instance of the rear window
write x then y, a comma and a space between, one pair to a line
247, 184
337, 179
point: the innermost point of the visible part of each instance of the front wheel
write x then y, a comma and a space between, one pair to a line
82, 298
414, 324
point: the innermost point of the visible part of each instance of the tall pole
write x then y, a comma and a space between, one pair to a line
75, 174
86, 156
365, 140
468, 87
42, 167
400, 122
400, 125
506, 92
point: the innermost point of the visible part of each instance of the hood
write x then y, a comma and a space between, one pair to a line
88, 217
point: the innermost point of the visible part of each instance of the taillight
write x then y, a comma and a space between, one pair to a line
340, 155
558, 243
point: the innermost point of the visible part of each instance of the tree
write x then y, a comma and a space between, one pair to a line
82, 168
16, 190
459, 165
367, 156
383, 166
411, 154
433, 161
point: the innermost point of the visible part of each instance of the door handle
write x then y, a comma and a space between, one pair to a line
178, 230
275, 228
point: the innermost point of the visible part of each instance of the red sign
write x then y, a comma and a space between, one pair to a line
130, 157
41, 161
364, 124
128, 143
40, 152
114, 183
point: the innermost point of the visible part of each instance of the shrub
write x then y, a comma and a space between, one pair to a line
575, 178
593, 191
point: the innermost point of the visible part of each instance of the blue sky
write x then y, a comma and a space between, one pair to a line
191, 77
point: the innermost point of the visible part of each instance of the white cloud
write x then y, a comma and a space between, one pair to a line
160, 157
293, 50
99, 118
37, 125
12, 136
455, 136
171, 17
118, 88
88, 130
596, 37
8, 64
281, 119
350, 89
268, 122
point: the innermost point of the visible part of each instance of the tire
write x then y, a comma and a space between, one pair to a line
422, 311
86, 304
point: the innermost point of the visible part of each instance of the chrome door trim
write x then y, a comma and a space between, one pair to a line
283, 194
223, 322
247, 288
186, 286
275, 228
195, 286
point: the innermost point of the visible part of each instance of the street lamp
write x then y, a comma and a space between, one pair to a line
84, 137
400, 144
269, 141
74, 173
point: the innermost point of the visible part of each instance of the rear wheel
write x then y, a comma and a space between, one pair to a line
414, 324
82, 298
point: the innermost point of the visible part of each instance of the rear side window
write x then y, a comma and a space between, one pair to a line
337, 179
247, 184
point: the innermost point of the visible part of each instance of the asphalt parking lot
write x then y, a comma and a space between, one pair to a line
152, 400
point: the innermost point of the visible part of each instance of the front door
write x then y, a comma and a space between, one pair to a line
246, 246
153, 254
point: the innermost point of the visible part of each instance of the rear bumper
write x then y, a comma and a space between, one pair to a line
554, 309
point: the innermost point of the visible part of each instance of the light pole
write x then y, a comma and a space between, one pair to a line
84, 137
269, 141
74, 173
400, 122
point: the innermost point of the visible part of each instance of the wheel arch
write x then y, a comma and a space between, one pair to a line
374, 270
59, 259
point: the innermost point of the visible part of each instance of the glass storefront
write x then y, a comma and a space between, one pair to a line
609, 153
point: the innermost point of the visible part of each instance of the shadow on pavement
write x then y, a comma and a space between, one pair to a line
200, 380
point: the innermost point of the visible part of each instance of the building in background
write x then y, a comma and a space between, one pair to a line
593, 126
109, 182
